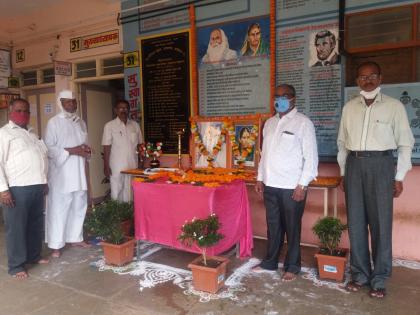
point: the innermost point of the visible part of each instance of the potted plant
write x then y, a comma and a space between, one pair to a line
209, 272
331, 259
105, 221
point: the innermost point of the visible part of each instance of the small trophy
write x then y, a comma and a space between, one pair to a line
180, 134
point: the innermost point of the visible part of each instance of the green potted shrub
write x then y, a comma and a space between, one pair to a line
105, 221
209, 272
331, 259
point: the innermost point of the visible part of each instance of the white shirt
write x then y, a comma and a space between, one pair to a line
289, 154
67, 172
379, 127
123, 139
23, 157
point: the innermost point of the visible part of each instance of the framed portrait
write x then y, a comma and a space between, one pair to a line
208, 144
244, 146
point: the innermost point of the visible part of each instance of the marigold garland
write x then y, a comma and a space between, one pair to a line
218, 146
240, 157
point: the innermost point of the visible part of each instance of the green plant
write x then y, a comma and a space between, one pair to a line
329, 231
201, 232
105, 220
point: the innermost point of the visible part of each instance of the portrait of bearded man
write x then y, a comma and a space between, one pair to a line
218, 48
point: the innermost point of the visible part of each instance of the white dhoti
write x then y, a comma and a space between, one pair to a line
64, 217
120, 187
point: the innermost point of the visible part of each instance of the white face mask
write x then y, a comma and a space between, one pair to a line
370, 95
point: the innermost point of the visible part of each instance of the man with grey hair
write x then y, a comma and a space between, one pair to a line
23, 178
218, 48
66, 138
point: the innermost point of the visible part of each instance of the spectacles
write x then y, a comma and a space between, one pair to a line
371, 77
287, 95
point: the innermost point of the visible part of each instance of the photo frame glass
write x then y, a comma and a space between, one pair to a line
211, 138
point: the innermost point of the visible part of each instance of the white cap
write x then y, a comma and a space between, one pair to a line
66, 94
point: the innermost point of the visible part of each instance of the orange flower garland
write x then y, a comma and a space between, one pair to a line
218, 146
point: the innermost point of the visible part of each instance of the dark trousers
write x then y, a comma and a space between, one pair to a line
24, 227
369, 184
284, 217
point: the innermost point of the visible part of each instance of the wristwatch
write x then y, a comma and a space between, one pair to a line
303, 187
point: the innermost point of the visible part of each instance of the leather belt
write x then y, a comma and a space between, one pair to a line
363, 154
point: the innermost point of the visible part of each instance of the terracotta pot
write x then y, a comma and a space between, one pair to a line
208, 279
331, 267
126, 227
119, 255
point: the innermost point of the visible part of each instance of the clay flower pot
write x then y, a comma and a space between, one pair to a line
332, 267
209, 278
118, 255
126, 227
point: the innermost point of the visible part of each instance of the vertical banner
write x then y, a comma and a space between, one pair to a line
234, 68
165, 69
308, 59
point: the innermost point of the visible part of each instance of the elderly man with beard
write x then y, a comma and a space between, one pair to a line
372, 126
66, 137
120, 140
218, 48
23, 178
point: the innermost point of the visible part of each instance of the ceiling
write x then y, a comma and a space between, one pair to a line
15, 8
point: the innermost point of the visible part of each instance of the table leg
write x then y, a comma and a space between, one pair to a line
335, 202
325, 202
138, 250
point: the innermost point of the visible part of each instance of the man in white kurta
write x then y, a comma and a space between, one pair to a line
120, 139
66, 137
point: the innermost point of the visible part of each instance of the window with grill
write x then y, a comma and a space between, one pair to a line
48, 75
113, 66
86, 69
29, 78
390, 37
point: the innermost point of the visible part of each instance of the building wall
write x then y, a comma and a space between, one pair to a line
407, 207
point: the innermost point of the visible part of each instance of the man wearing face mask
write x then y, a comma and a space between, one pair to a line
120, 140
289, 161
371, 126
23, 178
66, 137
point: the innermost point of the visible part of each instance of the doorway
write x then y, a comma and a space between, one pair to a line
97, 98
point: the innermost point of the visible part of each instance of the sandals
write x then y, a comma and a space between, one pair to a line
353, 286
377, 293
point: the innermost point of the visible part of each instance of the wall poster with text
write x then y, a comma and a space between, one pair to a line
234, 68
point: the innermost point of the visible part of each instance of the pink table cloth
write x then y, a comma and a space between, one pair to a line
161, 209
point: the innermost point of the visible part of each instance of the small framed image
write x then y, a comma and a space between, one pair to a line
244, 144
208, 143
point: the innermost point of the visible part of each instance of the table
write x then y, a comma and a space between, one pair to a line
326, 183
160, 209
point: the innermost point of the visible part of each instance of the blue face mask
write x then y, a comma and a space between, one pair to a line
281, 104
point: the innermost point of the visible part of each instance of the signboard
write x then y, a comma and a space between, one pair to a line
5, 63
6, 99
20, 55
94, 41
165, 65
62, 68
234, 68
131, 59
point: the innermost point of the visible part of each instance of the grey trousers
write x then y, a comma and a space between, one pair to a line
284, 217
24, 227
369, 184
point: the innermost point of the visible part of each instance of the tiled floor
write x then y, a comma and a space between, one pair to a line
73, 285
